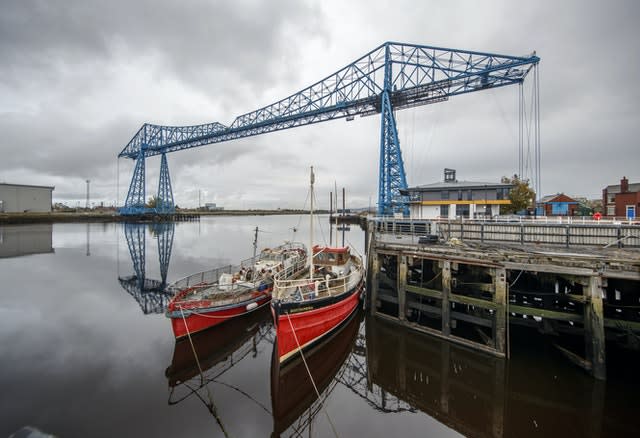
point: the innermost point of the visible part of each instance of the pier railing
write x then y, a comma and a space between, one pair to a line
550, 232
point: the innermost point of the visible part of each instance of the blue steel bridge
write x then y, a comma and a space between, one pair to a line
391, 77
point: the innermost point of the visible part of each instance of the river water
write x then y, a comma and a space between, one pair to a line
87, 351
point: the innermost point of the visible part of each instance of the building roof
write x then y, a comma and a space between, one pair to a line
558, 197
613, 189
31, 187
458, 185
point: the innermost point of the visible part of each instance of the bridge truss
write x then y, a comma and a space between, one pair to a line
151, 294
391, 77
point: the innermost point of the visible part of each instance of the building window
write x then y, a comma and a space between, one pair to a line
444, 211
469, 195
462, 210
444, 194
459, 195
499, 194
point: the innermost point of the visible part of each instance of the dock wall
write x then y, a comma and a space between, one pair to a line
469, 292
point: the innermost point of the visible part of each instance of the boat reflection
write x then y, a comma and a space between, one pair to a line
22, 240
202, 359
151, 294
206, 355
472, 392
294, 400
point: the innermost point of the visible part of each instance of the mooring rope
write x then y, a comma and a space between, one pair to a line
193, 348
211, 406
310, 376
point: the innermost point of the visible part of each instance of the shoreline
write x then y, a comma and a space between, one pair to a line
111, 216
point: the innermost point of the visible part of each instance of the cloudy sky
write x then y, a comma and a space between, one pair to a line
79, 77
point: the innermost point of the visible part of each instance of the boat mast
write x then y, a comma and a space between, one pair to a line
311, 228
335, 190
255, 245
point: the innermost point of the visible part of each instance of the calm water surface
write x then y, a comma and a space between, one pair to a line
87, 351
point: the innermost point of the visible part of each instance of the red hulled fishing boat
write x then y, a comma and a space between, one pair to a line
212, 297
318, 300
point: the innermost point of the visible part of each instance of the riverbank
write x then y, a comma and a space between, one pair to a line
112, 216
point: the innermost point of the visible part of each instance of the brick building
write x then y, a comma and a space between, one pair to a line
622, 200
559, 205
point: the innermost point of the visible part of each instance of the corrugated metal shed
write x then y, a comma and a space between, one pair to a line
19, 198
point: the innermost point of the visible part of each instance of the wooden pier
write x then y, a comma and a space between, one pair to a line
469, 288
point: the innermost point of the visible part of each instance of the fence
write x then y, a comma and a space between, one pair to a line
570, 233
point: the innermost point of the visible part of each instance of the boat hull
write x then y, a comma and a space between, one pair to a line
301, 325
194, 320
292, 392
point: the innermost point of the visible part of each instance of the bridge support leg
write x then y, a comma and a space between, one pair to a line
165, 244
135, 197
135, 234
164, 204
392, 177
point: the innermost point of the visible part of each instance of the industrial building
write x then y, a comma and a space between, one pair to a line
17, 240
453, 198
19, 198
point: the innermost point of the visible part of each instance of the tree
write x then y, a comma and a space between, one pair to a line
521, 195
152, 202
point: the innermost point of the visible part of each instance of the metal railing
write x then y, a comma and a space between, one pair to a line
303, 288
559, 232
213, 275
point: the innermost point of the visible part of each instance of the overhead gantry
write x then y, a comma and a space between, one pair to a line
392, 76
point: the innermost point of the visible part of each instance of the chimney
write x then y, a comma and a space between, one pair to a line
624, 185
449, 175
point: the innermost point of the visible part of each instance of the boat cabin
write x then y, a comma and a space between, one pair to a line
336, 261
327, 256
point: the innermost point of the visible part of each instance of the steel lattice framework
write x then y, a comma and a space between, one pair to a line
392, 76
151, 295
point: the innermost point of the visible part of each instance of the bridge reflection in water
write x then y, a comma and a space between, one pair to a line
151, 294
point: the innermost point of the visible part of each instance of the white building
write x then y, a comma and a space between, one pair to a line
18, 198
211, 206
457, 199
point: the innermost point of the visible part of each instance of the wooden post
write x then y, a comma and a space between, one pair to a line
500, 315
402, 287
372, 284
597, 408
446, 292
499, 384
445, 359
402, 364
594, 328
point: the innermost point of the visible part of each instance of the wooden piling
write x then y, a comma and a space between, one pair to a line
446, 295
594, 328
500, 314
402, 287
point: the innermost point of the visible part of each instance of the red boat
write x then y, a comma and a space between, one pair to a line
294, 401
212, 297
315, 302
